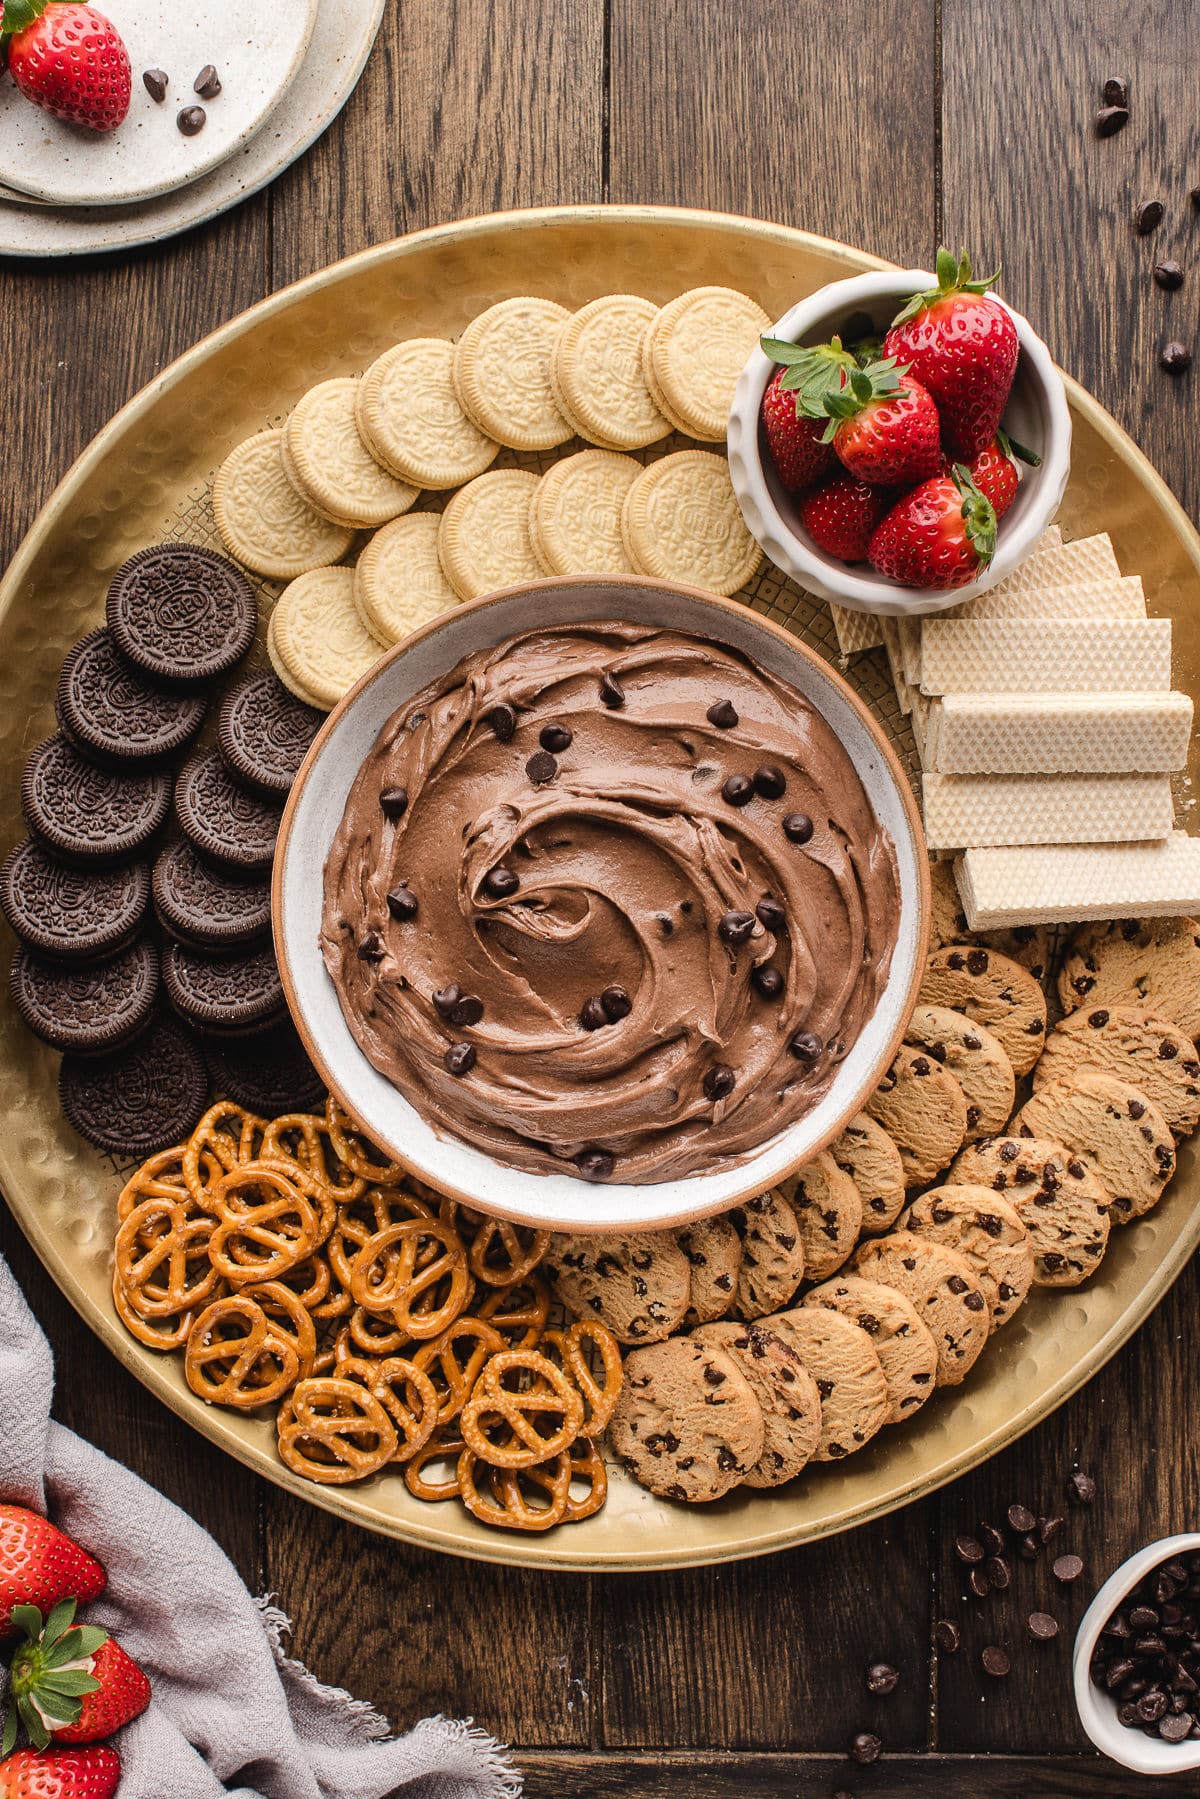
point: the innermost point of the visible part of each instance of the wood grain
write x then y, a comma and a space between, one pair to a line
816, 1777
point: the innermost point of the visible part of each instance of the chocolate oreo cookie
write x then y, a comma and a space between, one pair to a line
112, 713
221, 819
87, 1008
270, 1076
140, 1100
264, 734
206, 908
181, 614
229, 996
87, 813
75, 914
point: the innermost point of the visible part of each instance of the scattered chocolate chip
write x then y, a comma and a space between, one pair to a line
1175, 358
617, 1003
1168, 275
722, 714
769, 781
1042, 1626
207, 83
1021, 1519
798, 827
738, 790
947, 1636
969, 1550
592, 1015
501, 882
882, 1679
979, 1583
446, 998
991, 1538
719, 1082
1068, 1568
998, 1572
1027, 1549
556, 738
1081, 1489
767, 980
1110, 120
1049, 1527
503, 721
402, 902
735, 928
460, 1058
1148, 217
771, 916
594, 1164
1194, 197
155, 83
191, 120
995, 1662
541, 767
865, 1747
467, 1011
393, 802
372, 948
805, 1046
612, 694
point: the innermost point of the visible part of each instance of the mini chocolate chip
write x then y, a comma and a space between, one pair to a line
968, 1550
1115, 91
882, 1679
957, 1284
460, 1058
372, 948
402, 902
1176, 1726
992, 1539
1020, 1519
1042, 1626
617, 1003
592, 1015
1098, 1020
1009, 1151
998, 1572
503, 721
1027, 1549
1167, 1051
977, 962
155, 83
947, 1636
719, 1082
555, 737
541, 767
995, 1662
393, 802
722, 714
769, 781
974, 1302
612, 694
207, 83
1068, 1568
1168, 275
500, 882
446, 998
738, 790
1148, 217
767, 980
1175, 357
735, 928
1081, 1489
1049, 1527
467, 1011
771, 916
1110, 120
191, 120
594, 1164
865, 1747
798, 827
805, 1046
979, 1583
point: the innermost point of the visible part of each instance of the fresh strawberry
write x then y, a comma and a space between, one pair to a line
884, 426
39, 1565
797, 446
69, 1683
961, 343
60, 1774
841, 514
940, 535
994, 470
69, 59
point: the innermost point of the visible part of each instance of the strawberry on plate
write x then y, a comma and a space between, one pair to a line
60, 1774
841, 514
68, 59
68, 1682
39, 1565
797, 446
960, 343
941, 535
884, 426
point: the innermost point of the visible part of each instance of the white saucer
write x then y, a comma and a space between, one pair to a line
343, 35
257, 48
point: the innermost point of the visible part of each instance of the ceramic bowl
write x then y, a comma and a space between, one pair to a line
1097, 1710
1036, 415
314, 812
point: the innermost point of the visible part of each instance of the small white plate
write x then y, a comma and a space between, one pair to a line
256, 47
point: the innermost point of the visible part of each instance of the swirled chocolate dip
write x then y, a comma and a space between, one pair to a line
611, 901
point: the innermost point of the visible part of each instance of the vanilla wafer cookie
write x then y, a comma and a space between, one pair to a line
1050, 564
1057, 1195
1057, 733
855, 631
786, 1391
922, 1108
1046, 655
1151, 962
319, 638
714, 1256
977, 1060
993, 990
596, 369
829, 1211
409, 416
988, 1233
943, 1288
286, 677
1116, 1125
905, 1346
996, 811
264, 523
502, 373
869, 1156
1137, 1046
399, 581
681, 521
693, 353
1063, 883
772, 1254
484, 540
850, 1380
331, 467
575, 518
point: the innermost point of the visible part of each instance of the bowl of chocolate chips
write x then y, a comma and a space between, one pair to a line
601, 904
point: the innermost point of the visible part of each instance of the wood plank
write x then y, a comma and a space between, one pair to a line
748, 107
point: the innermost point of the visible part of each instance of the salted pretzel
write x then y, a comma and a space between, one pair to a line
406, 1394
236, 1357
423, 1293
454, 1361
508, 1498
357, 1151
303, 1138
376, 1333
443, 1449
334, 1431
572, 1346
519, 1312
589, 1473
243, 1189
264, 1242
227, 1135
159, 1177
523, 1410
313, 1284
502, 1254
362, 1217
163, 1258
290, 1318
163, 1334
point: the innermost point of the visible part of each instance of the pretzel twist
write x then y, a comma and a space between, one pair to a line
455, 1360
502, 1499
354, 1149
408, 1285
236, 1357
162, 1334
518, 1312
600, 1396
226, 1136
539, 1416
406, 1394
501, 1254
266, 1241
303, 1138
443, 1448
164, 1258
334, 1431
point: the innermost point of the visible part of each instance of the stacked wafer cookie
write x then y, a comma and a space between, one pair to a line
1048, 731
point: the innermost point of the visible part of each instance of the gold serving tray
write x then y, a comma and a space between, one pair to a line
145, 479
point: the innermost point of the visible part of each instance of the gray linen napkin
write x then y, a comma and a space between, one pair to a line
231, 1714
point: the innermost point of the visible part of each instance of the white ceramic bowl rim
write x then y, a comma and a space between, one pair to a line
314, 812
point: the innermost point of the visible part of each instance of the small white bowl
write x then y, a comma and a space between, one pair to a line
1036, 414
314, 812
1097, 1711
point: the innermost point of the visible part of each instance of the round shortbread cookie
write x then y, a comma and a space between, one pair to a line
772, 1264
977, 1060
694, 352
1055, 1193
289, 681
331, 467
410, 418
850, 1381
399, 581
638, 1283
869, 1156
829, 1211
1028, 944
318, 636
687, 1424
948, 1298
502, 373
484, 540
264, 523
1135, 1045
786, 1392
988, 1233
1152, 962
575, 519
922, 1108
596, 369
714, 1254
905, 1347
993, 990
681, 521
1116, 1125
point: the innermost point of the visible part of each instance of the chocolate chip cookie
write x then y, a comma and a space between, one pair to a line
977, 1060
1151, 962
636, 1282
993, 990
905, 1346
687, 1424
772, 1264
1028, 944
945, 1291
850, 1380
988, 1233
829, 1211
923, 1109
786, 1391
1113, 1123
714, 1254
1057, 1195
869, 1156
1137, 1046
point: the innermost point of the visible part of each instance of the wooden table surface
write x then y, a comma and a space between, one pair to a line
891, 124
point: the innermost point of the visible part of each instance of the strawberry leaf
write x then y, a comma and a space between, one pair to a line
28, 1619
953, 277
70, 1682
35, 1729
59, 1621
8, 1741
20, 14
978, 513
781, 351
91, 1638
1012, 448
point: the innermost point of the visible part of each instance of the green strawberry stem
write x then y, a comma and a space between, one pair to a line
810, 370
45, 1678
1016, 450
979, 515
19, 15
953, 277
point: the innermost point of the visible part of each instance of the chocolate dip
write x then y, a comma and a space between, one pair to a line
610, 901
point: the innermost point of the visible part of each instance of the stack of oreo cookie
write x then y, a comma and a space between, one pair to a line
146, 1000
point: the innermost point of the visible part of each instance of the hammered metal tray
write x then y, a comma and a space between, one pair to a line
145, 478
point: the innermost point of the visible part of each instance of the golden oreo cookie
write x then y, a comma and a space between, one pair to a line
319, 638
411, 421
400, 584
264, 522
331, 467
596, 368
484, 540
502, 374
681, 521
289, 680
694, 352
575, 518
